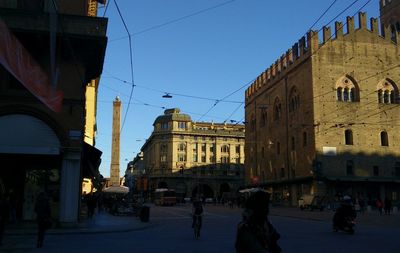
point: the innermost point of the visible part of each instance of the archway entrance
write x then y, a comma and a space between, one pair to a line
224, 187
202, 191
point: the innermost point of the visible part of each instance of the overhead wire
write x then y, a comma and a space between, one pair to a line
175, 20
348, 7
131, 64
171, 93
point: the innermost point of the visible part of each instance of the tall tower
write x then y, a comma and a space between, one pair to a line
390, 16
116, 130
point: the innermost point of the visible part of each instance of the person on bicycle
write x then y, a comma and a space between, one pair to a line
197, 211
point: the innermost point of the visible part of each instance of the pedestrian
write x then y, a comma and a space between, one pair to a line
255, 233
379, 205
4, 215
361, 201
388, 206
91, 203
43, 216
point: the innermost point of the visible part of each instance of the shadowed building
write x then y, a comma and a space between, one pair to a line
324, 118
50, 61
194, 158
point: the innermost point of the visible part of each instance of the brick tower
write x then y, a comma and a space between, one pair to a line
114, 173
390, 17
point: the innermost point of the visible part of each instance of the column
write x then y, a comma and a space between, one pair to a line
70, 186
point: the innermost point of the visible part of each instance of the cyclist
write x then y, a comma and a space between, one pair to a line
197, 211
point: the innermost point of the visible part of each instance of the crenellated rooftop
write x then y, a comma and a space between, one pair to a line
309, 45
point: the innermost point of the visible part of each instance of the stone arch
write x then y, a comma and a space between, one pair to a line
224, 187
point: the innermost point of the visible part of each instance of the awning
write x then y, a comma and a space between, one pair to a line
91, 160
117, 189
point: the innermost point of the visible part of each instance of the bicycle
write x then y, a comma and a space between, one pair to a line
197, 226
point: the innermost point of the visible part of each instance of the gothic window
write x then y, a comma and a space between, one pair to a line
347, 90
263, 121
277, 109
294, 100
339, 93
346, 95
387, 92
384, 139
348, 136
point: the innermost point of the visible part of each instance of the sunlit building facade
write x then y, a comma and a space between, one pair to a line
195, 158
324, 118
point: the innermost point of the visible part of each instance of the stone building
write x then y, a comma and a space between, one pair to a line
50, 62
324, 118
194, 158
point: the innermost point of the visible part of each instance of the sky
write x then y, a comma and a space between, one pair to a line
204, 53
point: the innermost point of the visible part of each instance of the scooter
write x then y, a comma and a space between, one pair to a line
347, 226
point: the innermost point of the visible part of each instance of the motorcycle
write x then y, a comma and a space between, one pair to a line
347, 225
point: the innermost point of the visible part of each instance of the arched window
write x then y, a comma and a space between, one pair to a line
384, 139
294, 100
277, 109
386, 97
380, 96
348, 137
224, 149
347, 90
387, 92
352, 91
339, 94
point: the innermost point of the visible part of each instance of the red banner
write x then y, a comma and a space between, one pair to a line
19, 62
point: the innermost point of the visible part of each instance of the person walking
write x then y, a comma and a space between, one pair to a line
43, 216
388, 206
255, 234
379, 205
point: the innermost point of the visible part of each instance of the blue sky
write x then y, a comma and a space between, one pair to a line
207, 48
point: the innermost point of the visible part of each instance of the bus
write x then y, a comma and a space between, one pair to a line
164, 197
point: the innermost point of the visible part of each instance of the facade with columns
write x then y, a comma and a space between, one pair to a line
43, 148
324, 118
194, 158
